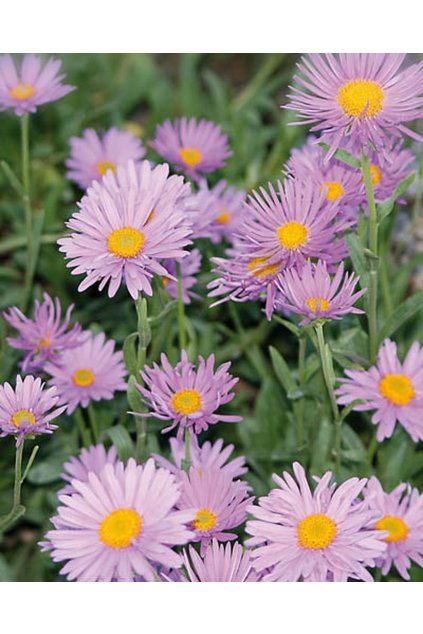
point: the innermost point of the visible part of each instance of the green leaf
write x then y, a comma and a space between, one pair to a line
321, 447
130, 353
144, 330
288, 324
353, 448
403, 313
122, 441
47, 471
282, 371
343, 156
385, 208
358, 258
14, 181
6, 573
134, 395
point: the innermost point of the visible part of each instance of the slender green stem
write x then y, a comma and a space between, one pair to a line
326, 360
181, 311
17, 509
144, 340
299, 408
373, 261
93, 422
27, 208
385, 282
186, 463
371, 452
83, 431
141, 444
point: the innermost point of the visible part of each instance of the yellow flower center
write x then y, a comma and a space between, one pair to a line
316, 531
22, 91
190, 156
376, 174
397, 388
165, 281
255, 265
120, 527
333, 189
292, 235
396, 527
43, 343
105, 166
205, 520
83, 377
318, 303
187, 401
22, 416
224, 218
126, 242
361, 98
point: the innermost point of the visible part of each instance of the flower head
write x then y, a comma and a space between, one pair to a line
44, 337
401, 515
92, 371
189, 267
188, 396
31, 85
221, 563
313, 294
92, 459
361, 95
392, 388
219, 502
119, 524
127, 224
27, 409
92, 156
313, 536
195, 147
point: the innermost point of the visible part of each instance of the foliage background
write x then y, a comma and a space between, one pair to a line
243, 93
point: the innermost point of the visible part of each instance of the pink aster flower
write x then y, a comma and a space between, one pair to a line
195, 147
189, 267
31, 85
119, 524
188, 396
313, 536
392, 388
90, 372
221, 563
125, 225
401, 515
93, 459
205, 457
219, 502
230, 212
361, 95
44, 337
92, 156
28, 409
315, 295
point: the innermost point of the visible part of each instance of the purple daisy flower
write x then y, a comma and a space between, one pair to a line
230, 212
44, 337
392, 388
92, 156
208, 456
119, 524
187, 396
126, 224
32, 85
312, 293
313, 536
27, 409
90, 372
220, 503
93, 459
189, 267
195, 147
221, 563
361, 95
401, 515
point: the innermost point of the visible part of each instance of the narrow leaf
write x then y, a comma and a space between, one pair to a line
403, 313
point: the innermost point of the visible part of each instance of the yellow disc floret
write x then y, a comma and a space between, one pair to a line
22, 416
316, 531
397, 388
361, 98
120, 528
105, 166
187, 402
292, 235
126, 242
83, 377
224, 218
396, 527
318, 303
333, 189
376, 174
22, 92
260, 269
205, 520
190, 156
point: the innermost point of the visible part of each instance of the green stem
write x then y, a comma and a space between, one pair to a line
83, 431
27, 208
181, 311
17, 508
326, 360
301, 402
93, 423
186, 463
373, 246
141, 444
144, 340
